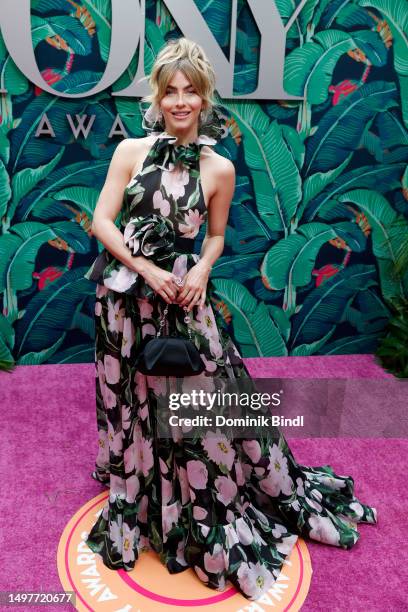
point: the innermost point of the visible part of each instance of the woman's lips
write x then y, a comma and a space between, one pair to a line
181, 115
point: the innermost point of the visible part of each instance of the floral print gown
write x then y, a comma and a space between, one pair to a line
232, 509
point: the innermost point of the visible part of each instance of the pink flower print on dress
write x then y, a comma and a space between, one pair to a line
112, 369
132, 488
286, 546
170, 517
146, 310
139, 454
146, 456
175, 181
101, 291
314, 495
163, 466
239, 473
115, 440
300, 490
143, 504
210, 366
161, 203
201, 574
205, 324
358, 509
218, 448
157, 384
278, 479
227, 489
129, 457
184, 486
252, 449
115, 316
192, 221
254, 579
116, 533
197, 474
128, 337
230, 516
109, 398
180, 553
231, 535
323, 530
129, 536
215, 562
166, 490
121, 279
244, 532
117, 488
140, 386
199, 513
180, 266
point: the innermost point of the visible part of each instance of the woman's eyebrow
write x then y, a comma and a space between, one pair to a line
186, 87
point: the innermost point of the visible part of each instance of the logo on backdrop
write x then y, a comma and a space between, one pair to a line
128, 31
150, 587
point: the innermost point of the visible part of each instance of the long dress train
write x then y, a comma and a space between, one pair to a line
232, 509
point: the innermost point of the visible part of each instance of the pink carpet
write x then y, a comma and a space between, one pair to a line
48, 451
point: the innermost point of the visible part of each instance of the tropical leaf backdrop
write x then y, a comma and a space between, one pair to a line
321, 204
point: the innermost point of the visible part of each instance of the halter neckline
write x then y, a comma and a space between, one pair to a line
202, 139
166, 153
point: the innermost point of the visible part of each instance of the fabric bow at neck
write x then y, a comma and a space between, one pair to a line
167, 153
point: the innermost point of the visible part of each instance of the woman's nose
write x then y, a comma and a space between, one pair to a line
180, 99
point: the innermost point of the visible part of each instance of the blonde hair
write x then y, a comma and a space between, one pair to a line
185, 55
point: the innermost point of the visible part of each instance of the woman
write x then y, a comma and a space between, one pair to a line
233, 510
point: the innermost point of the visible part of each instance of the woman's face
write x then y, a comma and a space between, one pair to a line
181, 104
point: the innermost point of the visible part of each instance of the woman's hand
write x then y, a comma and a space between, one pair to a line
161, 281
194, 286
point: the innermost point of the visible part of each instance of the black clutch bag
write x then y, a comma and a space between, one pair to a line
170, 355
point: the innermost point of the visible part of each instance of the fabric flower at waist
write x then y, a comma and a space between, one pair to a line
150, 236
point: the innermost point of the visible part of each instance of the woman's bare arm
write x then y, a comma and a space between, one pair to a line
107, 209
110, 202
218, 209
213, 244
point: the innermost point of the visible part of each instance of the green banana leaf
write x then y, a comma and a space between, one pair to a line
289, 263
272, 163
396, 14
386, 237
323, 307
50, 312
309, 68
341, 128
253, 328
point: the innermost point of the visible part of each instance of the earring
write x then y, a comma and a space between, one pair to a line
204, 115
160, 116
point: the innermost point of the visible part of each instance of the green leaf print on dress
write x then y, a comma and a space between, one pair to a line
229, 509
